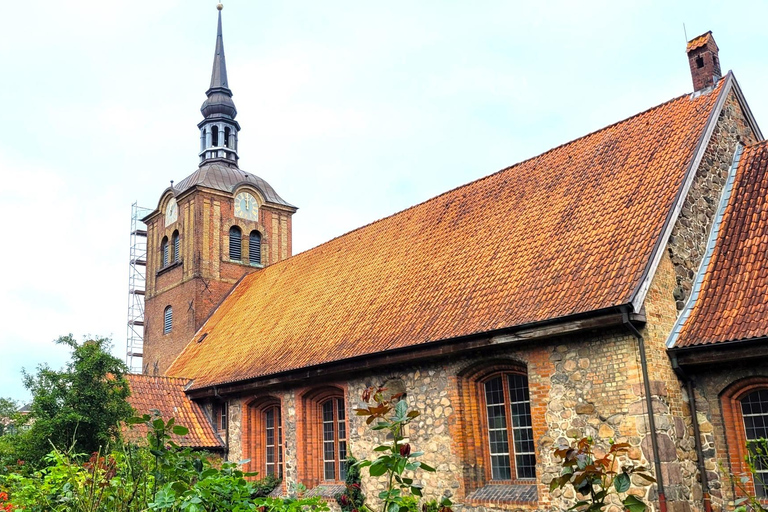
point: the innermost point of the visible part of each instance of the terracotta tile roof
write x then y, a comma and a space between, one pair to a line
567, 232
732, 303
699, 41
167, 395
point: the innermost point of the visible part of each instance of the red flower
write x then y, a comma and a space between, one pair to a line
405, 450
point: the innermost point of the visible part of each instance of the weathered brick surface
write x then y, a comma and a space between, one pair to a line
205, 273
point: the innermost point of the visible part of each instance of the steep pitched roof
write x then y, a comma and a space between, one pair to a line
570, 231
167, 395
730, 299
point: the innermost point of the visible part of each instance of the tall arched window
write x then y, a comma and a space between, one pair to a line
175, 240
273, 441
164, 251
754, 410
334, 439
215, 136
254, 248
167, 320
508, 411
226, 137
235, 242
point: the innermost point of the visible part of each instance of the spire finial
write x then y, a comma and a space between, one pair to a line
219, 6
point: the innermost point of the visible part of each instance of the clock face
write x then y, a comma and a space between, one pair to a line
246, 206
171, 212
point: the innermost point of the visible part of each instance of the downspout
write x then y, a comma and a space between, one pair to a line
706, 499
649, 406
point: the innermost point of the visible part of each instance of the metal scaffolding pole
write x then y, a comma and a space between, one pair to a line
137, 279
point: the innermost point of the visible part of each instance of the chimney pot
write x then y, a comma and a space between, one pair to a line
704, 62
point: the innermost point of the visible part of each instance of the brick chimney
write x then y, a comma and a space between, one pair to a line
705, 64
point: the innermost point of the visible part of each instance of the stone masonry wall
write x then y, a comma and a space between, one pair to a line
689, 236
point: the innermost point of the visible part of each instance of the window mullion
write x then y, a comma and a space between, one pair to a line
510, 427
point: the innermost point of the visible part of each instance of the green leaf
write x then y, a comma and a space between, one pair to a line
633, 504
180, 430
158, 424
137, 420
393, 507
426, 467
416, 491
401, 409
378, 468
622, 482
382, 448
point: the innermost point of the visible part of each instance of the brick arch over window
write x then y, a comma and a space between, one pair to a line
733, 419
323, 427
263, 436
480, 403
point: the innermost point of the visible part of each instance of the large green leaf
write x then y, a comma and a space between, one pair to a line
633, 504
622, 482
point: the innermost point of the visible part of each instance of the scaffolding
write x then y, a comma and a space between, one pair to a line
137, 279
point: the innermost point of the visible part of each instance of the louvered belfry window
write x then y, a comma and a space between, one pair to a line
164, 250
175, 239
235, 241
167, 320
254, 248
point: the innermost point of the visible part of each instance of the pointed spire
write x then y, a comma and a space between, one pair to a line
219, 73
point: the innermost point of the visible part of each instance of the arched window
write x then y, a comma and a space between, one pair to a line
175, 240
254, 248
273, 441
334, 439
167, 320
215, 136
226, 137
509, 428
754, 410
164, 251
235, 241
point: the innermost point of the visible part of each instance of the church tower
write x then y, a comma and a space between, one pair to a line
213, 227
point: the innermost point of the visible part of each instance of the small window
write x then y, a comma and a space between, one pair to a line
699, 62
164, 251
175, 239
754, 410
220, 415
226, 137
167, 320
273, 441
235, 241
254, 248
334, 440
215, 136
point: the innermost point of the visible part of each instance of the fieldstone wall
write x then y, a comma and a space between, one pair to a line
689, 236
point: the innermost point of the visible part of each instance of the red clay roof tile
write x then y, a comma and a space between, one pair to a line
166, 395
569, 231
732, 304
699, 41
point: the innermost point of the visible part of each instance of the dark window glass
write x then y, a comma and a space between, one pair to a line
167, 320
254, 248
235, 239
508, 411
334, 439
754, 409
215, 136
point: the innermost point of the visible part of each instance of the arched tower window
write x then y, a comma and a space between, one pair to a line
754, 410
175, 240
215, 136
226, 137
254, 248
235, 242
164, 251
167, 320
334, 439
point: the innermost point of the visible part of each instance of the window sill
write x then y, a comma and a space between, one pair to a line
327, 490
515, 493
169, 267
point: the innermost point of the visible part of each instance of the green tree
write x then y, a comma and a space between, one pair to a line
8, 414
79, 406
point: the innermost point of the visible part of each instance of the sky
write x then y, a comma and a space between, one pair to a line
350, 110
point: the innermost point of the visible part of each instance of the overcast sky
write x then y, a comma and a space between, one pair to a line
351, 110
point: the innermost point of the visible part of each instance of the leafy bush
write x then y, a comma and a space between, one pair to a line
757, 457
595, 478
352, 499
160, 476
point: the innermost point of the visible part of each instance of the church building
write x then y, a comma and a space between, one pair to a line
615, 286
